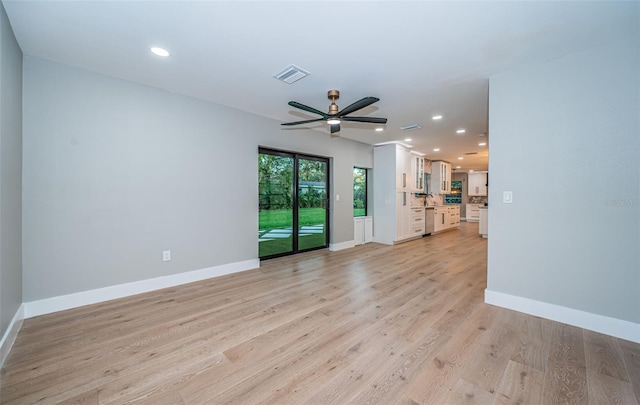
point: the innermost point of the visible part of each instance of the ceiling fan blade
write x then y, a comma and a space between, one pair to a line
335, 128
306, 108
358, 105
302, 122
373, 120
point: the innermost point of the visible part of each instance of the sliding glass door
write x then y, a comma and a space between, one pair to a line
312, 202
275, 196
293, 203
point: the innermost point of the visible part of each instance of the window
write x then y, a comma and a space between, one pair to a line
359, 192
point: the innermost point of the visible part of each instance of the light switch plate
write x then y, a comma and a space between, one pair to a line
507, 197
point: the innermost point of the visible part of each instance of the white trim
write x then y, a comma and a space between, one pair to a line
342, 245
586, 320
11, 333
60, 303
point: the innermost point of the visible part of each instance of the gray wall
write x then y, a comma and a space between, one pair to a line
565, 139
10, 174
116, 172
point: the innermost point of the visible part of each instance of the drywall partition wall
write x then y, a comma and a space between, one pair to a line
568, 130
10, 175
116, 172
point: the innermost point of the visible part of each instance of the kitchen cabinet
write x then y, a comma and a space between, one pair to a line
403, 216
477, 184
483, 227
440, 221
473, 212
403, 168
446, 217
393, 186
441, 177
454, 216
417, 221
417, 173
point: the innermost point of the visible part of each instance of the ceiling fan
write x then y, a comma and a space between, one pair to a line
334, 117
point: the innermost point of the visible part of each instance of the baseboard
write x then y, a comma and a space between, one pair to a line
598, 323
61, 303
342, 245
11, 333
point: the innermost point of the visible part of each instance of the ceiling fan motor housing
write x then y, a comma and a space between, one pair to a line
333, 95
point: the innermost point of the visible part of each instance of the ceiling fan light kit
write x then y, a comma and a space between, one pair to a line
335, 115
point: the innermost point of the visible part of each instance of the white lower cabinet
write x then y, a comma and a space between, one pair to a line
473, 212
454, 216
446, 217
483, 228
417, 221
362, 230
368, 229
440, 214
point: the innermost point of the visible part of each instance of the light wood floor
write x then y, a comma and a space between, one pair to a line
375, 324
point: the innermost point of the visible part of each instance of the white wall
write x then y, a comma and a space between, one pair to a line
10, 176
116, 172
565, 139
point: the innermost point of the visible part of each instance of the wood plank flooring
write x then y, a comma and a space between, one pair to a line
375, 324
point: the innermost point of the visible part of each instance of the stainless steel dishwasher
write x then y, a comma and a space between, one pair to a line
429, 220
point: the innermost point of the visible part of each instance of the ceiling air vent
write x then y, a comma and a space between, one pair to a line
410, 127
292, 74
471, 153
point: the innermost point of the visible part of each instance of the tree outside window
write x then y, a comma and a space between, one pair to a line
359, 192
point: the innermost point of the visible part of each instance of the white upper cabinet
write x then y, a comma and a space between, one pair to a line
440, 177
417, 173
403, 168
477, 184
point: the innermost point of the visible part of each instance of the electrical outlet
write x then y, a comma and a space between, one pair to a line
166, 255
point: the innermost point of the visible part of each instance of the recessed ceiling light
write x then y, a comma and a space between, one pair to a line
436, 150
470, 170
461, 131
436, 117
408, 139
159, 51
460, 158
379, 129
458, 167
482, 144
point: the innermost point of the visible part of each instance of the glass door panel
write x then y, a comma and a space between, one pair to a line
313, 204
276, 204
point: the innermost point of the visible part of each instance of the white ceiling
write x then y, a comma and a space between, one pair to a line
419, 58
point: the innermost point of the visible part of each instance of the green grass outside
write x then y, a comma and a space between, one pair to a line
279, 219
359, 212
274, 219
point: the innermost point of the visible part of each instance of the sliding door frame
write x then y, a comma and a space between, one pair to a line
296, 220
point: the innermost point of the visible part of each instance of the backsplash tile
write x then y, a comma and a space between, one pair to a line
478, 200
